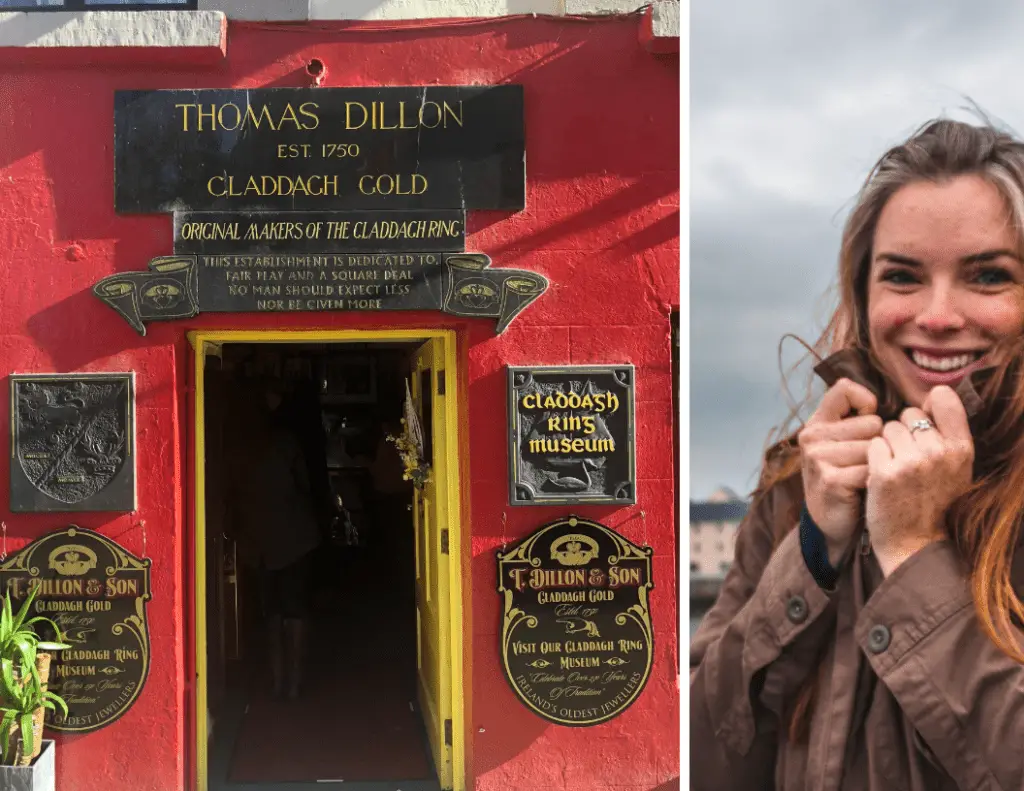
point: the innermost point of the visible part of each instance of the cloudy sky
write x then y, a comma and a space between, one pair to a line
791, 103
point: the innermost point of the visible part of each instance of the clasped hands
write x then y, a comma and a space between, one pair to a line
910, 477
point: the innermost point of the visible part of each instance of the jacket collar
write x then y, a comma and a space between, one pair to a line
853, 364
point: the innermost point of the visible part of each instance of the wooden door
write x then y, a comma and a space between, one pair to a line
430, 512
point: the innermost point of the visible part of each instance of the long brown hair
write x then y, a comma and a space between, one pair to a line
984, 523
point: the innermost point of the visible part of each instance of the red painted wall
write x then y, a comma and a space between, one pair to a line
601, 223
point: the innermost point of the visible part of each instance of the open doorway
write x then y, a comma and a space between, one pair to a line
323, 572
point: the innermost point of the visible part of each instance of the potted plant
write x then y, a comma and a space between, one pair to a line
24, 697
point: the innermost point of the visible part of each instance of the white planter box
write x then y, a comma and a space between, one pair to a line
40, 776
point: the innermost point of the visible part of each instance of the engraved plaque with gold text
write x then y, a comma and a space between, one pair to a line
96, 592
320, 149
577, 642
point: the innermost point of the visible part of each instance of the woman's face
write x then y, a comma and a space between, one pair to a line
945, 284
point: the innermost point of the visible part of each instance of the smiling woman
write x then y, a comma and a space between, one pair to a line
944, 282
836, 647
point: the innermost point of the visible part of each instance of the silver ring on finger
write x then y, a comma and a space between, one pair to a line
921, 425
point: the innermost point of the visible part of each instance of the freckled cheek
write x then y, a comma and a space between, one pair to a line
886, 315
1000, 316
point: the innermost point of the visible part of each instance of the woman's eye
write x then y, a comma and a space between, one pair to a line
992, 276
899, 277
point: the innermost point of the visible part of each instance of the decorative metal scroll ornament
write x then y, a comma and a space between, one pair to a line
169, 290
182, 286
72, 442
95, 591
577, 643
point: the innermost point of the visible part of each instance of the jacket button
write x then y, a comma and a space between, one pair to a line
878, 639
796, 609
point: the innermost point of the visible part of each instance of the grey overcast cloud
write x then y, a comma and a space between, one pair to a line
791, 103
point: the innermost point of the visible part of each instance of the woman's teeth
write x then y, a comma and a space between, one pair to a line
942, 363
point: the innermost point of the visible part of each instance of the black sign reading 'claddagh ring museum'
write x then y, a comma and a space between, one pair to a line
572, 435
577, 643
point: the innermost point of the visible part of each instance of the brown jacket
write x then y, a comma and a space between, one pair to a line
912, 694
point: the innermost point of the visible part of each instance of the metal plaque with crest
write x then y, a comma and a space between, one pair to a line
572, 435
72, 442
95, 591
577, 643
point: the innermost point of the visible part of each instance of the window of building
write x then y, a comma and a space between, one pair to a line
693, 566
95, 5
696, 548
725, 565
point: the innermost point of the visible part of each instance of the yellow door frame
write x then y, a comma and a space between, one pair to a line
199, 339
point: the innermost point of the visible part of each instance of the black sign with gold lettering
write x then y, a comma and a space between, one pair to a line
96, 593
571, 435
72, 442
577, 644
288, 149
250, 233
462, 284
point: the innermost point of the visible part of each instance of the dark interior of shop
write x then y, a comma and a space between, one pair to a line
311, 661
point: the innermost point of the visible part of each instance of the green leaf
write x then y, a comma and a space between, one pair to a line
26, 647
7, 674
24, 611
58, 700
51, 624
52, 646
27, 737
5, 621
17, 696
36, 680
5, 733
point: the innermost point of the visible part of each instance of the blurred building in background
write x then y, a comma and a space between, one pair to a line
713, 526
